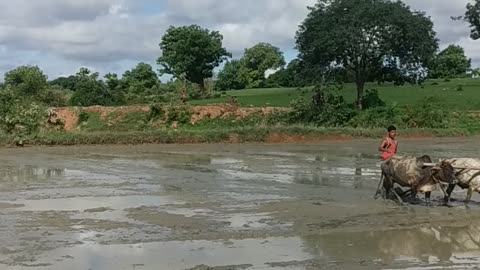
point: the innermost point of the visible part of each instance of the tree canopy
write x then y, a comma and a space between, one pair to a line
90, 91
472, 15
229, 77
191, 52
370, 38
450, 63
29, 80
257, 60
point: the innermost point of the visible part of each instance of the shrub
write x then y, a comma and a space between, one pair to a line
156, 113
20, 116
327, 108
371, 99
83, 117
425, 115
377, 117
180, 114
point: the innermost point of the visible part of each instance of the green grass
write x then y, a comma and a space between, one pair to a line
446, 93
217, 135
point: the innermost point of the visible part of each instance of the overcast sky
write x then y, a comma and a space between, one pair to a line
113, 35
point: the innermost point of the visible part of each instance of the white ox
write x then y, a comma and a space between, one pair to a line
467, 178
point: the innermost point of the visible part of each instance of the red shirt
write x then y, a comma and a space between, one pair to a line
391, 147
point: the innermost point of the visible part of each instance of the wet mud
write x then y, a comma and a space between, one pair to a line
223, 206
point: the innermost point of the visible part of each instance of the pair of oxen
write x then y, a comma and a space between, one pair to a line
421, 175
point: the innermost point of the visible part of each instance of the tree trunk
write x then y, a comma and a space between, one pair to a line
360, 87
203, 89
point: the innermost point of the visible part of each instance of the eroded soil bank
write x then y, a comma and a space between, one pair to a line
223, 206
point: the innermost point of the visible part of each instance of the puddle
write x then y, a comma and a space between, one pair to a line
257, 176
249, 221
174, 255
85, 203
427, 247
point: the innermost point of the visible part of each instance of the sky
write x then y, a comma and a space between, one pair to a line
60, 36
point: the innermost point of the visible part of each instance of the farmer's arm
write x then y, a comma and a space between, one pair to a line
381, 148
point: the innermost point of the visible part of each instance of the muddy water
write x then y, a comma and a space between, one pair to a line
305, 206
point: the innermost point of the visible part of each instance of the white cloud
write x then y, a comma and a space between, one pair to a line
62, 35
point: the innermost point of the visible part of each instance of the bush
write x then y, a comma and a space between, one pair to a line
377, 117
156, 113
83, 117
54, 96
180, 114
20, 116
425, 115
371, 99
327, 108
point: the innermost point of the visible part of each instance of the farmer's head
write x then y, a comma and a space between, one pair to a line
392, 131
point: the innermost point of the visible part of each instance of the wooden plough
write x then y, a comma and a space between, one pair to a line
455, 167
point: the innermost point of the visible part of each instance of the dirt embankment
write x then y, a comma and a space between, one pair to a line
67, 117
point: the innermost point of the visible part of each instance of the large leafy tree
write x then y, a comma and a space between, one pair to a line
258, 59
89, 90
191, 52
140, 78
369, 38
28, 80
229, 77
472, 15
450, 63
291, 76
65, 82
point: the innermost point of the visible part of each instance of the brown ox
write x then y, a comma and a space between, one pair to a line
410, 172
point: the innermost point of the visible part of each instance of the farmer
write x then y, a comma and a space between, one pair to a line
389, 145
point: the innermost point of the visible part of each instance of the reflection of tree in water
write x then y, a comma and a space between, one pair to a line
440, 242
19, 175
334, 172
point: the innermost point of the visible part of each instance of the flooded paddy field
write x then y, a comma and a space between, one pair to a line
222, 206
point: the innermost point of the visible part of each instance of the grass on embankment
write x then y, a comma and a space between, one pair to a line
457, 94
266, 134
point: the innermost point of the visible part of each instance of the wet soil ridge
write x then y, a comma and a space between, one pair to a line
69, 116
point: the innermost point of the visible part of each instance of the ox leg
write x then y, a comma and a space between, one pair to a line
469, 195
379, 188
446, 194
449, 193
414, 195
399, 198
427, 198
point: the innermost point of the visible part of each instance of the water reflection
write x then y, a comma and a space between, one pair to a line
254, 253
425, 246
17, 175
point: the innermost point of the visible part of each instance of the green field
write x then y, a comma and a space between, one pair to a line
447, 94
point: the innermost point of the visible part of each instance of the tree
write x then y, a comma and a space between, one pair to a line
65, 82
140, 79
191, 52
260, 58
229, 77
291, 76
370, 38
450, 63
472, 15
90, 91
28, 80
